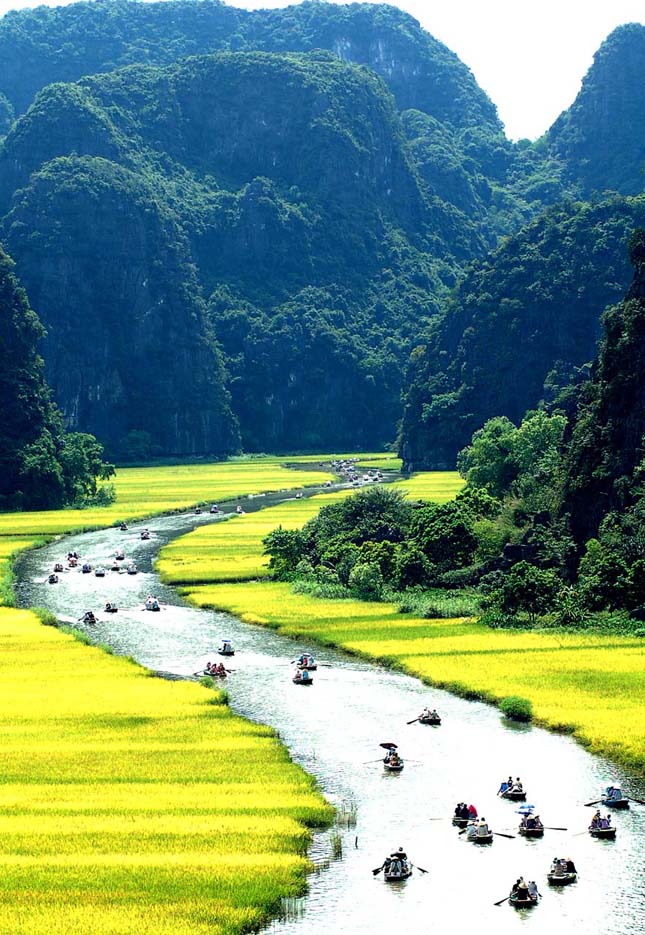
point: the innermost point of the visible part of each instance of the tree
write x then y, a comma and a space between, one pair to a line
526, 589
366, 581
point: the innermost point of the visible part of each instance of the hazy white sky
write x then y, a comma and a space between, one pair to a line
529, 55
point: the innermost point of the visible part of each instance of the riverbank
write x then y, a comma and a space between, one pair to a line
588, 684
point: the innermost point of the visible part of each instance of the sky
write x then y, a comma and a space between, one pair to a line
529, 55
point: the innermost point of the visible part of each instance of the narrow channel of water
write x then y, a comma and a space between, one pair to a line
333, 729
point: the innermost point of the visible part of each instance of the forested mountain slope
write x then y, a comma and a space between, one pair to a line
600, 138
277, 185
529, 314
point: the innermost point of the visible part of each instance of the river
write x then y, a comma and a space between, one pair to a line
334, 728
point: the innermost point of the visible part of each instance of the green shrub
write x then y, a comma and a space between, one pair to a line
516, 708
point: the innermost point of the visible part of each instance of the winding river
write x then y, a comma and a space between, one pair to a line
334, 728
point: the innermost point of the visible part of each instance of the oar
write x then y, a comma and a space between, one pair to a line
412, 722
365, 762
577, 835
549, 828
500, 901
378, 869
421, 869
597, 802
500, 835
632, 799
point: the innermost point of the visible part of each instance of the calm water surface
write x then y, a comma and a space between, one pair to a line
333, 729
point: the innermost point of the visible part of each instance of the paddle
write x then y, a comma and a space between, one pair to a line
365, 762
597, 802
632, 799
500, 901
577, 835
549, 828
422, 870
412, 722
500, 835
378, 869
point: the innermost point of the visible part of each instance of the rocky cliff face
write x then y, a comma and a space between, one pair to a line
127, 346
600, 137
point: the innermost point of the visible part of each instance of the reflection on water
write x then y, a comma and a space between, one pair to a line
334, 728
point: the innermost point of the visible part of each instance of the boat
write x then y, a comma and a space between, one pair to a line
523, 902
393, 764
397, 870
88, 617
111, 608
479, 834
612, 798
531, 827
307, 661
225, 648
198, 511
145, 534
214, 509
214, 672
302, 677
58, 567
72, 562
239, 510
115, 566
429, 717
152, 604
132, 569
99, 572
53, 579
515, 795
560, 875
119, 555
123, 527
607, 833
86, 568
460, 822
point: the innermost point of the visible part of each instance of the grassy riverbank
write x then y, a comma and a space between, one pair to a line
134, 805
590, 685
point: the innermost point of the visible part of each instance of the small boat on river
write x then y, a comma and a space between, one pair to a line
152, 604
512, 790
479, 833
429, 717
132, 568
612, 798
398, 868
215, 670
523, 899
393, 763
145, 535
302, 677
214, 509
58, 567
86, 568
239, 510
119, 555
123, 527
531, 826
111, 608
307, 661
562, 872
99, 572
460, 822
53, 579
115, 566
88, 618
198, 511
226, 648
602, 828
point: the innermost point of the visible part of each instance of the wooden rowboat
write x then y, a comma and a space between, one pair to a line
393, 767
531, 832
476, 838
515, 795
460, 822
561, 879
526, 902
608, 833
300, 681
397, 871
621, 802
430, 720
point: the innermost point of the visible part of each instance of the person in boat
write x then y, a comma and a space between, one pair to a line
465, 811
533, 890
515, 886
569, 865
518, 786
392, 758
433, 714
509, 784
472, 812
221, 671
481, 828
399, 855
522, 889
595, 821
459, 809
605, 822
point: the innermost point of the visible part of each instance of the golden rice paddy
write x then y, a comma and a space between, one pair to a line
588, 684
129, 804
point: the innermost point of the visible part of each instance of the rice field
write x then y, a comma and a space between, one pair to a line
129, 804
147, 491
233, 551
590, 685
